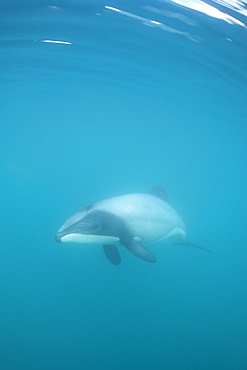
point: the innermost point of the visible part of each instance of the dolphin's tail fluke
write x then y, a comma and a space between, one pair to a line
187, 243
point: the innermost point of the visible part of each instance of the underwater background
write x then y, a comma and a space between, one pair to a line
100, 99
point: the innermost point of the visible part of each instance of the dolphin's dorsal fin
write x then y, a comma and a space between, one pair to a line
158, 192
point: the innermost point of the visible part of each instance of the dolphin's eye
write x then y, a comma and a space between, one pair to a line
94, 227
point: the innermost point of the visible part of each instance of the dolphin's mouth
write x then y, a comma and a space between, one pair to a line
62, 237
79, 227
59, 235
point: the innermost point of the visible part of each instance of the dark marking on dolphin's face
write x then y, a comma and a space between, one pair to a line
86, 225
96, 223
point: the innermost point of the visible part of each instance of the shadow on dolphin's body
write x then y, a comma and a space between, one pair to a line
130, 220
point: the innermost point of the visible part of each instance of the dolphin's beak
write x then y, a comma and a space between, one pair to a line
58, 237
73, 228
79, 228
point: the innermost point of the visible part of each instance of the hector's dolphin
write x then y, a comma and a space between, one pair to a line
131, 220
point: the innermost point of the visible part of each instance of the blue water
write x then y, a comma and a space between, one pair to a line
122, 105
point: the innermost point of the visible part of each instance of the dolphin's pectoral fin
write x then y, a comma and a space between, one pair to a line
186, 243
112, 254
139, 250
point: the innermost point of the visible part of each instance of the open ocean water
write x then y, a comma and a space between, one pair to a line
100, 99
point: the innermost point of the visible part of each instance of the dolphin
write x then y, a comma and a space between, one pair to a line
130, 220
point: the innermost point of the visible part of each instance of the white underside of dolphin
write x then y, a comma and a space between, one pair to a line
131, 220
